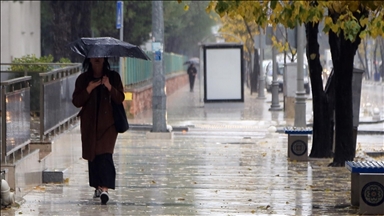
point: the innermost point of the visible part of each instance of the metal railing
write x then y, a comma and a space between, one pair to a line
58, 82
56, 108
138, 70
15, 118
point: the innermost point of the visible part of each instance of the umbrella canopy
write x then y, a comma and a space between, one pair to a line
102, 47
193, 60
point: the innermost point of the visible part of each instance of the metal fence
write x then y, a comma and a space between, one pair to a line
49, 94
56, 106
15, 118
138, 70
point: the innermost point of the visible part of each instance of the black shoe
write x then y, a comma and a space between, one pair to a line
104, 197
97, 193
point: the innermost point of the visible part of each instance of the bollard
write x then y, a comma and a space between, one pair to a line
7, 197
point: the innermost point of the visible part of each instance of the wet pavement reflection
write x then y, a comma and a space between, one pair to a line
229, 162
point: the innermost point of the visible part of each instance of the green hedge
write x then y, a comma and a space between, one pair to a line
33, 70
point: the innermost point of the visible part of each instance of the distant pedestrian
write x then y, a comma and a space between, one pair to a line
192, 76
94, 91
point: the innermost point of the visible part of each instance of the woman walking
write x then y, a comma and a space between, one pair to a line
191, 70
94, 91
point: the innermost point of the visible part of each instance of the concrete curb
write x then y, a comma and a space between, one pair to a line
148, 127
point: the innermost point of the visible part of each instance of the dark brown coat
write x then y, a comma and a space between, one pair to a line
98, 133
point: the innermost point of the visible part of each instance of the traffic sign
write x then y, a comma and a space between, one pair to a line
119, 14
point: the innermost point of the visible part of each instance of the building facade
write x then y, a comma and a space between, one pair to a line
20, 29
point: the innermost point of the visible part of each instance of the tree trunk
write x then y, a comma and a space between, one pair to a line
322, 130
256, 71
61, 29
71, 20
80, 24
343, 52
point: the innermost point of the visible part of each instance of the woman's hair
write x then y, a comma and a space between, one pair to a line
87, 66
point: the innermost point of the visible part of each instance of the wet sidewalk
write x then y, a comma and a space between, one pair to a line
229, 162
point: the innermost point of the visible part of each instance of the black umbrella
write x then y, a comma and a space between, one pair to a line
101, 47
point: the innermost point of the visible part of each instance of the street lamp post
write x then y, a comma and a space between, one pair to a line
275, 106
300, 115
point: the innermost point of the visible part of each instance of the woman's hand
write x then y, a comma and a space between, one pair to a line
92, 85
105, 81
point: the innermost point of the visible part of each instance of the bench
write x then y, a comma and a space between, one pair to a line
298, 142
367, 186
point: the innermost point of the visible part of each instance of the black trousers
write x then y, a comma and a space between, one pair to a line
191, 81
102, 171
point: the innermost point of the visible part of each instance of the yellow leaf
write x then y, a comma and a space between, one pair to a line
328, 21
278, 8
241, 10
353, 5
363, 34
364, 21
335, 28
374, 33
186, 7
207, 10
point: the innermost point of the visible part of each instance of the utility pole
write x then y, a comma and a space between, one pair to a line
120, 25
300, 115
158, 82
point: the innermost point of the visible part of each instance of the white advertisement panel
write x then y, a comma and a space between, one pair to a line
223, 73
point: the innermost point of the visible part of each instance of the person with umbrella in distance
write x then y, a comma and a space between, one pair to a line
94, 90
192, 71
191, 75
